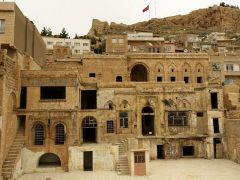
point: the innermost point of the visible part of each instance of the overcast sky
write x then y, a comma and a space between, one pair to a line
76, 15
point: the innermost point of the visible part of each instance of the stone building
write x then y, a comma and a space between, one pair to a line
106, 112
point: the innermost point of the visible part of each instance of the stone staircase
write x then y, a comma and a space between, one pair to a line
122, 164
13, 154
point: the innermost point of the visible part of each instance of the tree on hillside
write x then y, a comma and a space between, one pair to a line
44, 32
49, 32
63, 34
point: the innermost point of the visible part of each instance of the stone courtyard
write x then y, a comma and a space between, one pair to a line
181, 169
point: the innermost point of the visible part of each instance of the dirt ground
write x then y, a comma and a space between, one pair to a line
182, 169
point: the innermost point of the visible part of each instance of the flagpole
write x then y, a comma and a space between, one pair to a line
155, 8
149, 13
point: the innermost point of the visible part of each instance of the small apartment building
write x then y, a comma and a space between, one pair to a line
116, 44
77, 46
144, 42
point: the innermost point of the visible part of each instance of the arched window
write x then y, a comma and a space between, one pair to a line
119, 79
38, 134
139, 73
59, 134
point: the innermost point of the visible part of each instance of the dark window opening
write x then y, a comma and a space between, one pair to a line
177, 118
38, 134
186, 80
89, 99
172, 78
139, 157
199, 114
185, 70
23, 98
160, 151
214, 101
110, 127
188, 150
92, 75
59, 134
21, 121
119, 79
216, 125
199, 79
217, 148
172, 70
123, 116
89, 129
147, 121
199, 70
139, 73
53, 92
159, 79
88, 160
49, 160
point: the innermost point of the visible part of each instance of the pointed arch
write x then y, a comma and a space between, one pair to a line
139, 73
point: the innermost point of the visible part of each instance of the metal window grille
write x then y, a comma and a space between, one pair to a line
89, 122
177, 118
59, 134
139, 157
110, 127
38, 134
123, 119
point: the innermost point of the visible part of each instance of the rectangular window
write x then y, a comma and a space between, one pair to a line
123, 119
110, 127
199, 114
49, 43
68, 43
89, 99
2, 25
216, 125
139, 157
214, 101
58, 43
77, 44
23, 98
199, 79
159, 79
229, 67
186, 80
92, 75
114, 41
53, 92
120, 41
85, 44
172, 79
177, 118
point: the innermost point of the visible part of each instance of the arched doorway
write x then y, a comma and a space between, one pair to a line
139, 73
147, 121
49, 160
89, 129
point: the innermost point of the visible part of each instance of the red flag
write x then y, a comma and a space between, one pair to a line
146, 9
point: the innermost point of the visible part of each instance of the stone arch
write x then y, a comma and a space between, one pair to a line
148, 121
110, 105
186, 72
49, 160
139, 73
199, 71
89, 129
124, 104
184, 104
172, 72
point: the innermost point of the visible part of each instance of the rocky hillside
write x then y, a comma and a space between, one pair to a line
202, 21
